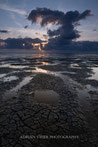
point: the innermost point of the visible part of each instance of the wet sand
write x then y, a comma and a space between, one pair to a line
49, 102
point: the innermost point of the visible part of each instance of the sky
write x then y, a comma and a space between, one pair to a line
14, 13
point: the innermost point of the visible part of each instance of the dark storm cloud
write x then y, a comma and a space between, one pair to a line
66, 21
17, 43
45, 36
74, 47
25, 27
4, 31
45, 16
85, 14
37, 33
94, 30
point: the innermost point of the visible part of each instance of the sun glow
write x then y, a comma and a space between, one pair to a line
35, 46
39, 48
2, 44
43, 45
23, 44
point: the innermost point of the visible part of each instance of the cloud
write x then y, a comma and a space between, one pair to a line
45, 36
94, 30
74, 47
14, 10
67, 23
17, 43
25, 27
4, 31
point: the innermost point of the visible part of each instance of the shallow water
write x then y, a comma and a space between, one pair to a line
13, 92
95, 73
91, 88
13, 66
10, 78
2, 75
25, 81
47, 97
75, 65
68, 63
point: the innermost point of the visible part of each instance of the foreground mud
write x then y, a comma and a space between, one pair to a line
26, 119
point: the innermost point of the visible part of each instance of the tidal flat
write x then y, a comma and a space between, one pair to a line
49, 96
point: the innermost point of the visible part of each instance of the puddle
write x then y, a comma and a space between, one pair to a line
18, 66
95, 75
4, 65
67, 72
91, 88
45, 63
40, 70
44, 71
57, 73
47, 97
25, 81
2, 75
75, 66
13, 66
10, 78
82, 93
13, 92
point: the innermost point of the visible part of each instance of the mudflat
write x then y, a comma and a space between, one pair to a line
49, 101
